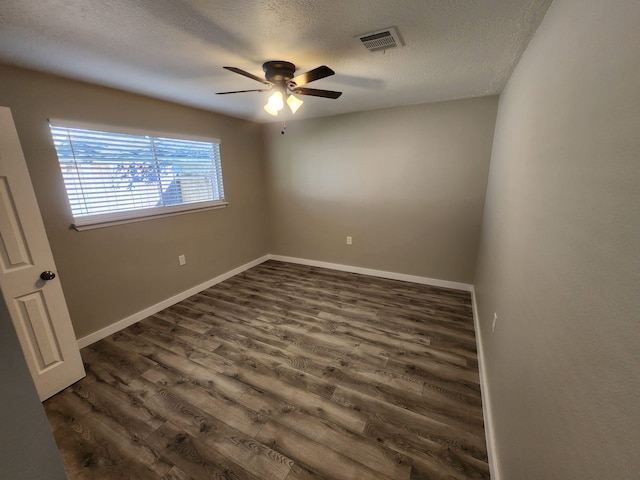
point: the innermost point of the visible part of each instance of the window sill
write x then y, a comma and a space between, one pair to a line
138, 216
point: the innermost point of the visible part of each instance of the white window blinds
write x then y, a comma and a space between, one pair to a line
111, 177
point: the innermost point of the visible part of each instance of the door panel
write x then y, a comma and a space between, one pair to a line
14, 248
37, 327
37, 307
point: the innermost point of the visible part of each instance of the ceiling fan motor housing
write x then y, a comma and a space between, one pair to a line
279, 72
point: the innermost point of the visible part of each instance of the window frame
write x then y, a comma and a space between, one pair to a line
101, 220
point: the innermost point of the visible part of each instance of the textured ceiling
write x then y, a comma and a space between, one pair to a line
175, 49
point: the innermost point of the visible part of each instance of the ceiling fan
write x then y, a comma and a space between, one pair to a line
279, 76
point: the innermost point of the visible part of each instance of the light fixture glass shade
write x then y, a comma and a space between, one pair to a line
294, 103
276, 102
270, 110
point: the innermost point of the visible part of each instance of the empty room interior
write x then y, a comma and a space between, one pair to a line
415, 253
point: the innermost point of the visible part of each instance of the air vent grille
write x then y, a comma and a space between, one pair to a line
381, 39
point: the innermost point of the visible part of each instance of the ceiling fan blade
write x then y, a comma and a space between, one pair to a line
244, 91
312, 75
314, 92
247, 74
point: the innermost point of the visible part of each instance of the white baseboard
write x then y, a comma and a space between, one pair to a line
484, 392
376, 273
136, 317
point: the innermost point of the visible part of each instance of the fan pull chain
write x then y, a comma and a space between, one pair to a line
284, 120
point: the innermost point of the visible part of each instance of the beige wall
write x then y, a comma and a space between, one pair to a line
560, 253
406, 183
111, 273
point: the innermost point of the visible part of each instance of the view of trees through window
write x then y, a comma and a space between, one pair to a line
111, 172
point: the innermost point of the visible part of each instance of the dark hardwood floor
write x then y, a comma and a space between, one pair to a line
283, 372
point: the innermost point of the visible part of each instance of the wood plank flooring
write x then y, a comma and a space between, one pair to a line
283, 372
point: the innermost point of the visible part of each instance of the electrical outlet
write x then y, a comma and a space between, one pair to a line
182, 260
349, 240
495, 319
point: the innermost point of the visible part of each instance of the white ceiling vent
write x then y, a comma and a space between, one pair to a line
381, 39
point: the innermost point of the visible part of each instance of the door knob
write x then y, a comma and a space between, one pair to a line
47, 275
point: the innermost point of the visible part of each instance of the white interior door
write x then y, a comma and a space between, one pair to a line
37, 306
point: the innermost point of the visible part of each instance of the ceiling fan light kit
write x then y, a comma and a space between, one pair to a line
280, 76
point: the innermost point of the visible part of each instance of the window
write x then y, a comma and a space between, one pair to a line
114, 178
